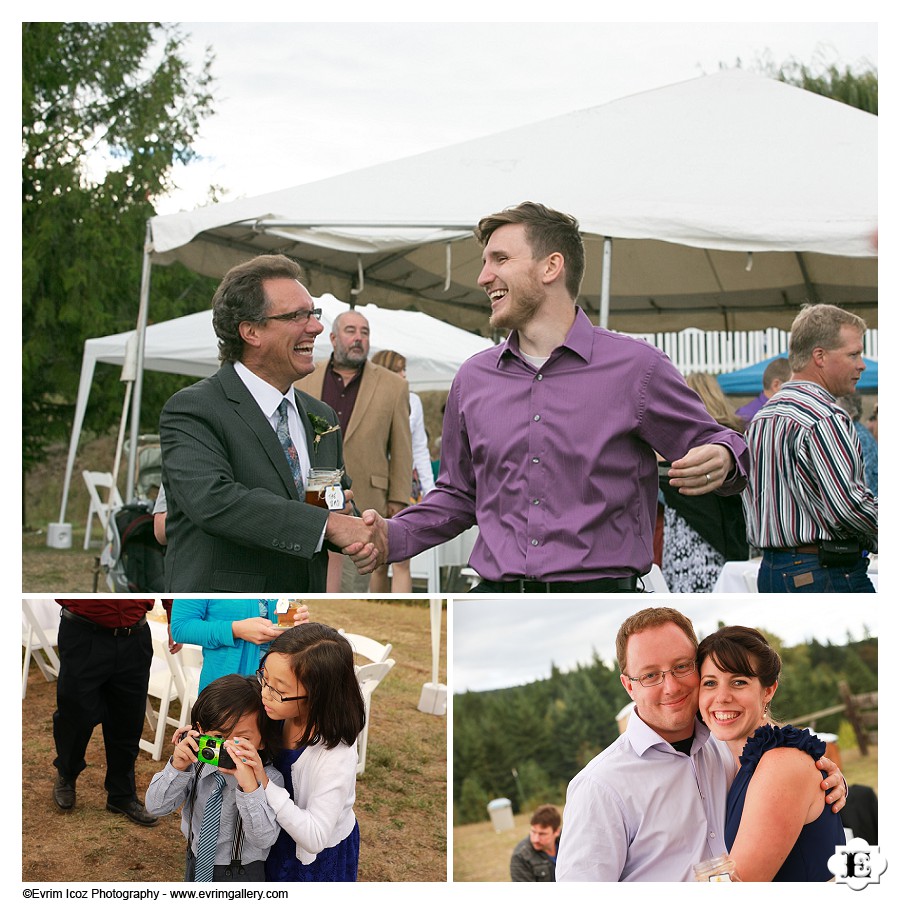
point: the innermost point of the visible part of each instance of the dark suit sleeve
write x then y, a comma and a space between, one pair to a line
221, 478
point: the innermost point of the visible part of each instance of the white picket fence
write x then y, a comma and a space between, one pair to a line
720, 351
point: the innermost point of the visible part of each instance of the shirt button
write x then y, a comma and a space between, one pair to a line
537, 417
536, 501
534, 542
535, 461
540, 377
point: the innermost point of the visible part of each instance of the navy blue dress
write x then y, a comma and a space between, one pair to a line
807, 860
335, 864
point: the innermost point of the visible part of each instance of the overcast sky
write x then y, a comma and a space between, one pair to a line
505, 643
301, 101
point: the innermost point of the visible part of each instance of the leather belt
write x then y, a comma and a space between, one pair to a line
116, 632
596, 585
809, 549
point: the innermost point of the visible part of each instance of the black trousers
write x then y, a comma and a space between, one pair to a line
102, 680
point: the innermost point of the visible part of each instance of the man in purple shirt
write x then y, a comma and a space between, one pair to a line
550, 439
777, 372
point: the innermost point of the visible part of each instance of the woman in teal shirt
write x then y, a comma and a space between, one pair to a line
234, 634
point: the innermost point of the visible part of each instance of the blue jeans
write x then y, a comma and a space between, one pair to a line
788, 572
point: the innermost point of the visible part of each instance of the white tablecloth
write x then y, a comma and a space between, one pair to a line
740, 577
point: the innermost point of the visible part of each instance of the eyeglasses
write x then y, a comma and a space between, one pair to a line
651, 679
301, 315
277, 695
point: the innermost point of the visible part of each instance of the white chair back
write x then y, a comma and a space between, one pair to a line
170, 684
367, 647
369, 676
99, 507
40, 629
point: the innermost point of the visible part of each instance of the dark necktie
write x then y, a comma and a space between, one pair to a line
209, 833
290, 450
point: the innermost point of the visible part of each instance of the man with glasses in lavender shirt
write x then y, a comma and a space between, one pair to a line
237, 447
550, 439
652, 804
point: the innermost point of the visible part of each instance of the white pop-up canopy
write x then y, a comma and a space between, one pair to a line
187, 345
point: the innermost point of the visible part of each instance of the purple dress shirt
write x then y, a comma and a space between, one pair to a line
557, 466
747, 412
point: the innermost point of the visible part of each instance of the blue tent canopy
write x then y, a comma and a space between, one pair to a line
748, 380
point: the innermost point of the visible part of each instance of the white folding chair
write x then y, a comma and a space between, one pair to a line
168, 685
40, 629
367, 647
96, 481
369, 676
191, 658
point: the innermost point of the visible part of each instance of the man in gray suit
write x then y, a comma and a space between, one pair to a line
237, 448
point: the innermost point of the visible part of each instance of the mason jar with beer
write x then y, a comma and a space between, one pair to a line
323, 488
284, 611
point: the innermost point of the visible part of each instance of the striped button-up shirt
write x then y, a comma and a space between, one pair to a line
806, 480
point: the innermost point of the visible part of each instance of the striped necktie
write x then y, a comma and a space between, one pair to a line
290, 450
209, 832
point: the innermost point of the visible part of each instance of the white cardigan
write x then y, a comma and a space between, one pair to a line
321, 813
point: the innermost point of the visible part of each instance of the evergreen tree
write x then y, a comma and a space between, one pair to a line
122, 93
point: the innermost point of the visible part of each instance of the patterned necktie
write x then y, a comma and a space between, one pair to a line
290, 450
209, 833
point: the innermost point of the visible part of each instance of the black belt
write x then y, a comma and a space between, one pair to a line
596, 585
116, 632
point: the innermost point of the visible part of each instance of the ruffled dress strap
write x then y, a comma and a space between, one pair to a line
770, 737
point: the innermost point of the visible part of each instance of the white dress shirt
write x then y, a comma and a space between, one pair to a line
642, 811
269, 398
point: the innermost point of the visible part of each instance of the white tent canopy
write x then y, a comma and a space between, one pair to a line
730, 197
434, 350
187, 345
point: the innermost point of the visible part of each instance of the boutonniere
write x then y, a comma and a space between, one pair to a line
321, 428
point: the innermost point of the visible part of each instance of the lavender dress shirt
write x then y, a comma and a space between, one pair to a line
557, 466
642, 811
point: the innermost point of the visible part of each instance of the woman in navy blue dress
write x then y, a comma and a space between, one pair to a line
777, 825
309, 687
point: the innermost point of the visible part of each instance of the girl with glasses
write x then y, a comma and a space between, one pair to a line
309, 689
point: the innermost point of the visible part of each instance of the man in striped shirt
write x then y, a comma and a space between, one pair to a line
807, 504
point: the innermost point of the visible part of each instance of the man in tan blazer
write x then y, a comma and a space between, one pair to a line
372, 405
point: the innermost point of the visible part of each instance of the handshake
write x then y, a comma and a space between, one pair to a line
364, 540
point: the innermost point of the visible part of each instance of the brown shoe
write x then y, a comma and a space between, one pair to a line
63, 793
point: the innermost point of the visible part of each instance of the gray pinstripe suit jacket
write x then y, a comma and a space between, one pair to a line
235, 522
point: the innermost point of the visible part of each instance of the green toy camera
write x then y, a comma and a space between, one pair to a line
211, 751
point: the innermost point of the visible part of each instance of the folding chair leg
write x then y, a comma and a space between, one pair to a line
27, 663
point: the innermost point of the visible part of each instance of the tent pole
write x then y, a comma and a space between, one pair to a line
604, 282
141, 330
